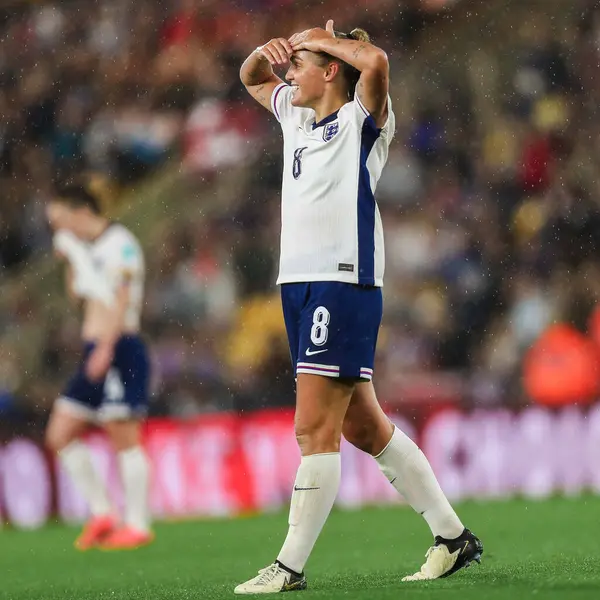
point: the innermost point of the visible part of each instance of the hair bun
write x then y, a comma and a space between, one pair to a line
360, 35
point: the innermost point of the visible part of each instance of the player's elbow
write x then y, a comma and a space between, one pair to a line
379, 62
244, 73
247, 79
248, 73
377, 68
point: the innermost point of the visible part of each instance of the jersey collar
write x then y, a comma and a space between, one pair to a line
109, 225
327, 119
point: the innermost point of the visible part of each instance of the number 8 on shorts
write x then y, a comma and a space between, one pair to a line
319, 332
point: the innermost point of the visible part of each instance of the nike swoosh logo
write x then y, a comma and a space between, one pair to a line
310, 352
297, 489
299, 584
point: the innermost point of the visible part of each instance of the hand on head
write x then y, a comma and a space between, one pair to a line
278, 51
311, 39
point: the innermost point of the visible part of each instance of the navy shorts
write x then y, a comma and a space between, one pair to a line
122, 394
332, 327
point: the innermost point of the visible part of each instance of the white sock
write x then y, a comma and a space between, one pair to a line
135, 475
409, 471
77, 461
315, 489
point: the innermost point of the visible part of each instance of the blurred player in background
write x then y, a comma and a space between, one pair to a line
337, 124
105, 270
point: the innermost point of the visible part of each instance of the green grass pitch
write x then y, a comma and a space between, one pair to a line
533, 549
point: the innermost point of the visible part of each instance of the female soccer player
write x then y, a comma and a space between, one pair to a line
110, 387
337, 123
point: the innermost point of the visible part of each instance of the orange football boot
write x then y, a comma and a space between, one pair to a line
94, 531
126, 538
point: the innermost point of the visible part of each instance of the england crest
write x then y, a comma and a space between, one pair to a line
330, 131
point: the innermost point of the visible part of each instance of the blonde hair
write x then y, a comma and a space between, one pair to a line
358, 34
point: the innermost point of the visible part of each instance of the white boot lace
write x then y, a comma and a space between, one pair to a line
267, 574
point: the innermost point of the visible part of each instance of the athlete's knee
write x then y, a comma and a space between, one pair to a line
123, 434
318, 437
56, 439
321, 404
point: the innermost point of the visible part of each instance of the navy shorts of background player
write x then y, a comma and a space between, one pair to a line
122, 394
332, 327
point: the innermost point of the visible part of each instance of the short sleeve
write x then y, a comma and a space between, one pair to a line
361, 114
130, 256
281, 102
127, 259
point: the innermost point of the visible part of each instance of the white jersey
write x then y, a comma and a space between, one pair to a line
118, 258
330, 224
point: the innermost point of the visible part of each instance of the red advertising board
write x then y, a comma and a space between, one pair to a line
227, 464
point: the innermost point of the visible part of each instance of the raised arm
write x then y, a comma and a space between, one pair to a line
371, 61
257, 71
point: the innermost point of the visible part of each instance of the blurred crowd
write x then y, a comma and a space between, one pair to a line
489, 200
